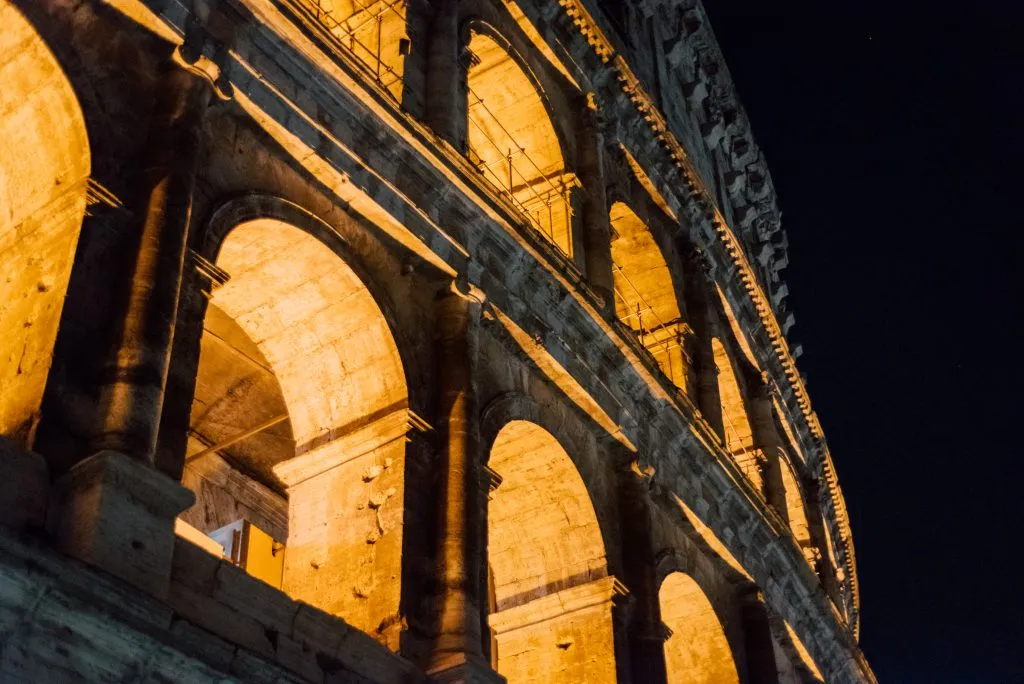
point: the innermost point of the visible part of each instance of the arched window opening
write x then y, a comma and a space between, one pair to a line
44, 167
797, 511
513, 143
552, 592
739, 437
374, 31
831, 572
697, 650
298, 427
645, 297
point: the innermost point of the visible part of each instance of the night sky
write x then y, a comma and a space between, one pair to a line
895, 135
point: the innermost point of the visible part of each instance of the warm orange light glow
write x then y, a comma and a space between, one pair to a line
513, 142
697, 651
645, 295
310, 341
44, 164
739, 437
551, 586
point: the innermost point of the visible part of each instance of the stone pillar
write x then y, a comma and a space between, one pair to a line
444, 81
823, 557
457, 653
113, 509
647, 633
567, 636
135, 377
757, 639
597, 246
766, 436
198, 284
698, 291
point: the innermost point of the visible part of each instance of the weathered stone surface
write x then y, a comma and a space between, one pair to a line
25, 487
602, 200
116, 513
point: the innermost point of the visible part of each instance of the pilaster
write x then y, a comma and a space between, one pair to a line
457, 653
113, 510
646, 632
597, 250
444, 80
135, 377
767, 439
699, 290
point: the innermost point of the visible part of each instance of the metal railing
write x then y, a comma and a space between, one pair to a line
361, 32
648, 335
514, 174
505, 173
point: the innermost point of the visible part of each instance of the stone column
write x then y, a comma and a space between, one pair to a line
135, 377
766, 436
198, 283
698, 291
597, 246
647, 633
113, 509
457, 653
823, 557
757, 639
444, 79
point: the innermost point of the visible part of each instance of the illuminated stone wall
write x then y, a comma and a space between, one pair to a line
463, 316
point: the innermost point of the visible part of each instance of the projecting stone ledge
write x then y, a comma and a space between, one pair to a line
73, 623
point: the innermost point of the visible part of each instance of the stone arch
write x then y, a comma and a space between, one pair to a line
552, 593
739, 435
697, 650
42, 204
346, 365
512, 136
314, 342
796, 506
645, 295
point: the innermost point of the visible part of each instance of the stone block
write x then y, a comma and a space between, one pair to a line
298, 658
253, 598
194, 567
24, 488
222, 620
199, 643
363, 655
117, 514
322, 632
254, 670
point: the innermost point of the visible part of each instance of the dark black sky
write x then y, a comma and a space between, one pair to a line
895, 135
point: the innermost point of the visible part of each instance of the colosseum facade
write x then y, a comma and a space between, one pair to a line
400, 341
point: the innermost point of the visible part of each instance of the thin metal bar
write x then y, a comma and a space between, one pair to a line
238, 438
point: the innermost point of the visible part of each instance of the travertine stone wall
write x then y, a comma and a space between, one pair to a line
564, 637
335, 214
63, 622
44, 164
697, 649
